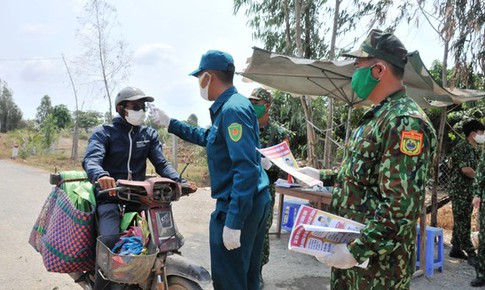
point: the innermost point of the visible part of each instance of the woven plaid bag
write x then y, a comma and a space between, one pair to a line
64, 235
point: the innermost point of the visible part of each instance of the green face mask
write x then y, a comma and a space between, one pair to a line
363, 82
260, 110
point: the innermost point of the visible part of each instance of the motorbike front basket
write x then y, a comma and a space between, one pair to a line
128, 269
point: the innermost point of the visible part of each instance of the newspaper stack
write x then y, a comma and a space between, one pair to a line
316, 232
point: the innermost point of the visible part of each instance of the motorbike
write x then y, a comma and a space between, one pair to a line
163, 268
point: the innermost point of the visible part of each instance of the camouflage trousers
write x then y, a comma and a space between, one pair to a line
462, 214
265, 256
480, 266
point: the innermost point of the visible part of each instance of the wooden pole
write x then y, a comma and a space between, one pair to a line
436, 162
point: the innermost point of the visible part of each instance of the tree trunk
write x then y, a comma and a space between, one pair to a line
436, 162
75, 137
75, 142
299, 46
305, 102
328, 149
441, 131
287, 26
102, 60
312, 155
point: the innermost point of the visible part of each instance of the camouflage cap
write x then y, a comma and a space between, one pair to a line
382, 45
261, 94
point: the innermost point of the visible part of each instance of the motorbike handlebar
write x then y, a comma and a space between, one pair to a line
127, 193
188, 187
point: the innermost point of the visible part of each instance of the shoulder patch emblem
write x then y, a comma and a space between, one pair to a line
411, 143
235, 131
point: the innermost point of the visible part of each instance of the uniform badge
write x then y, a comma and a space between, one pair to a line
411, 143
235, 131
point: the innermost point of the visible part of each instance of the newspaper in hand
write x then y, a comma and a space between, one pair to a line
316, 232
281, 156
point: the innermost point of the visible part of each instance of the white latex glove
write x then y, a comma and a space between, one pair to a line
340, 258
231, 238
158, 116
266, 163
310, 171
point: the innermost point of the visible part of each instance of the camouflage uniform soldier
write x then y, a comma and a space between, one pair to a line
479, 203
270, 134
464, 159
383, 176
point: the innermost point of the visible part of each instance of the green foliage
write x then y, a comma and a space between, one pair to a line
62, 116
193, 120
49, 131
288, 113
458, 114
10, 113
269, 18
165, 137
29, 140
43, 110
275, 23
88, 119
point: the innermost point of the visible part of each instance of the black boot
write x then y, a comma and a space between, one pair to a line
457, 253
472, 260
477, 282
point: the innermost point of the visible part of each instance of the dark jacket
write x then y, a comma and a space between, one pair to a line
115, 150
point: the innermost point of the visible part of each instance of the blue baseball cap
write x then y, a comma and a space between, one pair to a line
215, 60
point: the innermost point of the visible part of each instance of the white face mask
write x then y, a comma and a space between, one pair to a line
135, 118
480, 139
204, 92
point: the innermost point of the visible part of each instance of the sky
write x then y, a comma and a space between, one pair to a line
166, 39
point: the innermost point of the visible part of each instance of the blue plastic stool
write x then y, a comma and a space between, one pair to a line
432, 262
288, 212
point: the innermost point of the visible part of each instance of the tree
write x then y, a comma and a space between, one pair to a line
297, 27
88, 119
10, 113
469, 41
49, 131
106, 59
62, 116
193, 120
43, 110
75, 135
280, 27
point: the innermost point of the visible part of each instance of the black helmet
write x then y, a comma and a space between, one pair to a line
131, 94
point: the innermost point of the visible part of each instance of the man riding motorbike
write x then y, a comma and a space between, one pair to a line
120, 151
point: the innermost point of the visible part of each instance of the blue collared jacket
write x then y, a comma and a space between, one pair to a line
117, 149
234, 163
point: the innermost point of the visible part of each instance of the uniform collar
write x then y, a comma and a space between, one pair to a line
376, 110
222, 99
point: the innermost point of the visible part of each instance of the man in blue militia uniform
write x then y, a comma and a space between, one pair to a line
238, 182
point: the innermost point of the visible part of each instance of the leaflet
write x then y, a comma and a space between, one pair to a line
316, 232
281, 156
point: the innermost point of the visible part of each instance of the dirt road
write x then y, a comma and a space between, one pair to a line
24, 190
